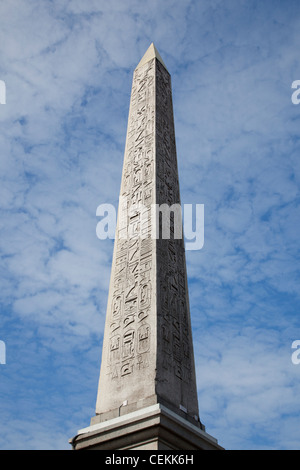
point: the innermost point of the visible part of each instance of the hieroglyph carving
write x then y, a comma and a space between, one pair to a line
172, 297
129, 333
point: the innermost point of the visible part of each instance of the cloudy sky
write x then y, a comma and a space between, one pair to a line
67, 66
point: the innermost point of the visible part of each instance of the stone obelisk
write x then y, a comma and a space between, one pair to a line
147, 395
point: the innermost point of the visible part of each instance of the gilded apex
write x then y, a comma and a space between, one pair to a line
150, 54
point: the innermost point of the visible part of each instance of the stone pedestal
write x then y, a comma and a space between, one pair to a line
152, 428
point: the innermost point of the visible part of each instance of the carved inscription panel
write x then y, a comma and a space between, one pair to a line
175, 334
129, 328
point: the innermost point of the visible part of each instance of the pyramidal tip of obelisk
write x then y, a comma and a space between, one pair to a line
149, 55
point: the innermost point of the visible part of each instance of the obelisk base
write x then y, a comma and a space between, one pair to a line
152, 428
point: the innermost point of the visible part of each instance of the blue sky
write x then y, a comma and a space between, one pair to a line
67, 66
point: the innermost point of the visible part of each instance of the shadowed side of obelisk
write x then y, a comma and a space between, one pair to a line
176, 379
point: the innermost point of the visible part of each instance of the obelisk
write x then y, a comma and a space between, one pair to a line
147, 394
